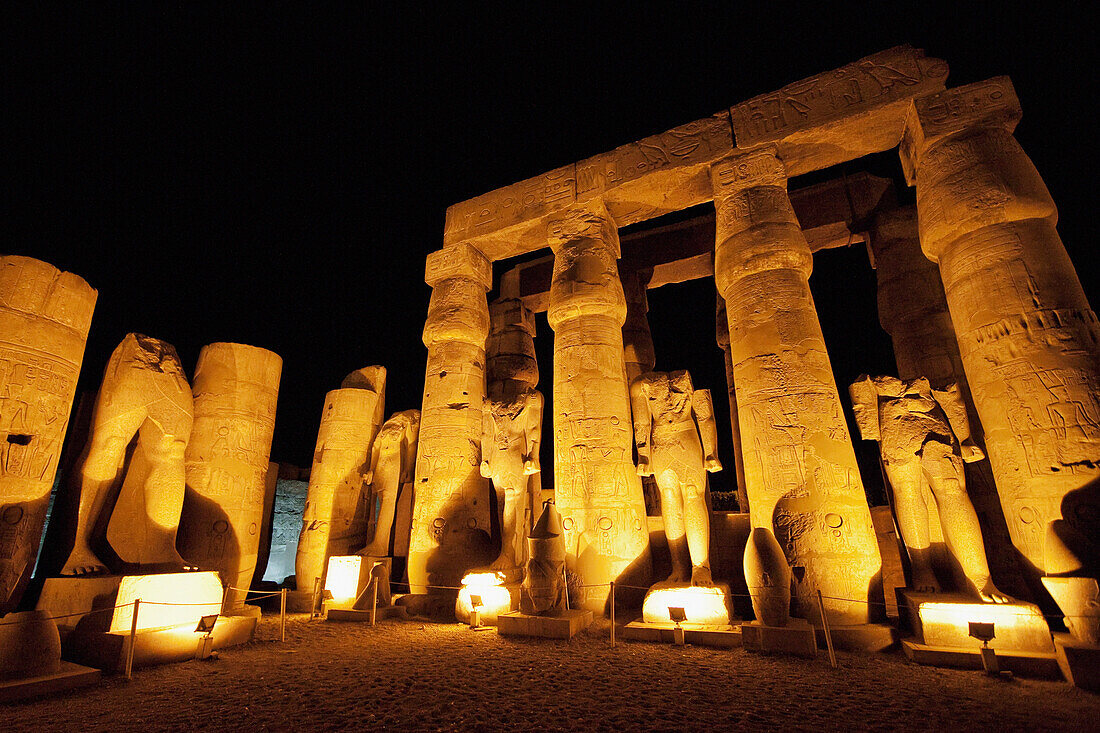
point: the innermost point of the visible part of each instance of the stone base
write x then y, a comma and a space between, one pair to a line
942, 620
1079, 662
107, 650
563, 625
70, 676
495, 599
859, 637
1025, 664
706, 605
796, 638
299, 601
725, 636
363, 615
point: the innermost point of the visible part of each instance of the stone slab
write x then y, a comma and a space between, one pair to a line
796, 638
69, 677
566, 625
1025, 664
707, 606
363, 615
1080, 663
718, 636
860, 637
942, 620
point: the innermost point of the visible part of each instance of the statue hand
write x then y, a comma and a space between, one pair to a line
712, 464
485, 471
971, 453
368, 478
643, 467
530, 467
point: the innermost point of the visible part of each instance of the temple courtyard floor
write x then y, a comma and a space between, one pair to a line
411, 675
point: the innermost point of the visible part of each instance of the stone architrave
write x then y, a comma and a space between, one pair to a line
235, 389
336, 514
391, 471
1029, 341
722, 336
144, 396
44, 320
450, 532
597, 489
800, 469
912, 308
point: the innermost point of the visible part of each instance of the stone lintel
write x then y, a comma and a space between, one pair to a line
826, 119
989, 103
459, 260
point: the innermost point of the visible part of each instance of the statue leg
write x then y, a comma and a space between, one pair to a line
912, 515
672, 511
164, 490
944, 472
697, 528
511, 558
380, 545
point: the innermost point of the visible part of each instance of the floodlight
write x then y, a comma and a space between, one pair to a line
206, 624
475, 601
677, 614
982, 631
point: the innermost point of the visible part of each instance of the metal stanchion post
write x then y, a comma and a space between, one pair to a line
828, 632
316, 592
133, 641
373, 601
612, 613
282, 614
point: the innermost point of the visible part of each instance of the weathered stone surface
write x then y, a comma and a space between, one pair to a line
337, 511
44, 320
722, 337
543, 590
1029, 341
800, 469
144, 397
235, 389
596, 487
392, 467
768, 577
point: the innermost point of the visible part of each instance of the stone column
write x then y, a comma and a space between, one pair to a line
450, 533
912, 308
800, 468
336, 515
722, 336
598, 491
1027, 336
44, 320
235, 389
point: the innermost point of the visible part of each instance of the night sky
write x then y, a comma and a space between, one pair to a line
276, 177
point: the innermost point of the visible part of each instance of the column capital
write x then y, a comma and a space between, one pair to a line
760, 167
583, 222
989, 103
458, 261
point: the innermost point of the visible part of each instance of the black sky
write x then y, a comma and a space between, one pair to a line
276, 175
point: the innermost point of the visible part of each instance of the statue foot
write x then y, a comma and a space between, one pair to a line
84, 562
678, 576
508, 570
700, 576
989, 593
373, 550
926, 583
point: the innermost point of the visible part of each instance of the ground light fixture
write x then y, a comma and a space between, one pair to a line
205, 627
475, 611
678, 616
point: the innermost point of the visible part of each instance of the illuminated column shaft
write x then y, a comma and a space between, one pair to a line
336, 513
451, 511
722, 336
1026, 333
800, 468
596, 485
44, 320
235, 389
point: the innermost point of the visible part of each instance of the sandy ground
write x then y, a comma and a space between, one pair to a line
411, 675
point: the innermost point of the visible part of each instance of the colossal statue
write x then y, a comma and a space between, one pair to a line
235, 390
44, 320
392, 465
670, 417
144, 394
336, 514
924, 437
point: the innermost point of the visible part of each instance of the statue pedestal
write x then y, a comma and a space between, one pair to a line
495, 596
1079, 662
796, 638
703, 605
664, 632
941, 634
30, 659
562, 625
348, 579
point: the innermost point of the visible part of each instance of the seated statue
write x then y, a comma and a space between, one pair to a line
924, 437
392, 464
670, 417
144, 393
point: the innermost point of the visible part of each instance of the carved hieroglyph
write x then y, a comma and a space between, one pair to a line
44, 320
450, 532
924, 437
597, 489
336, 514
235, 389
144, 394
912, 308
670, 417
1029, 341
392, 467
800, 468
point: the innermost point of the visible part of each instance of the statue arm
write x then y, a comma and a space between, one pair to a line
639, 406
375, 449
950, 399
534, 434
487, 430
864, 396
702, 406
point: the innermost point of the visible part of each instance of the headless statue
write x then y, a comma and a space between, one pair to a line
392, 464
510, 437
676, 438
543, 591
924, 437
144, 393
